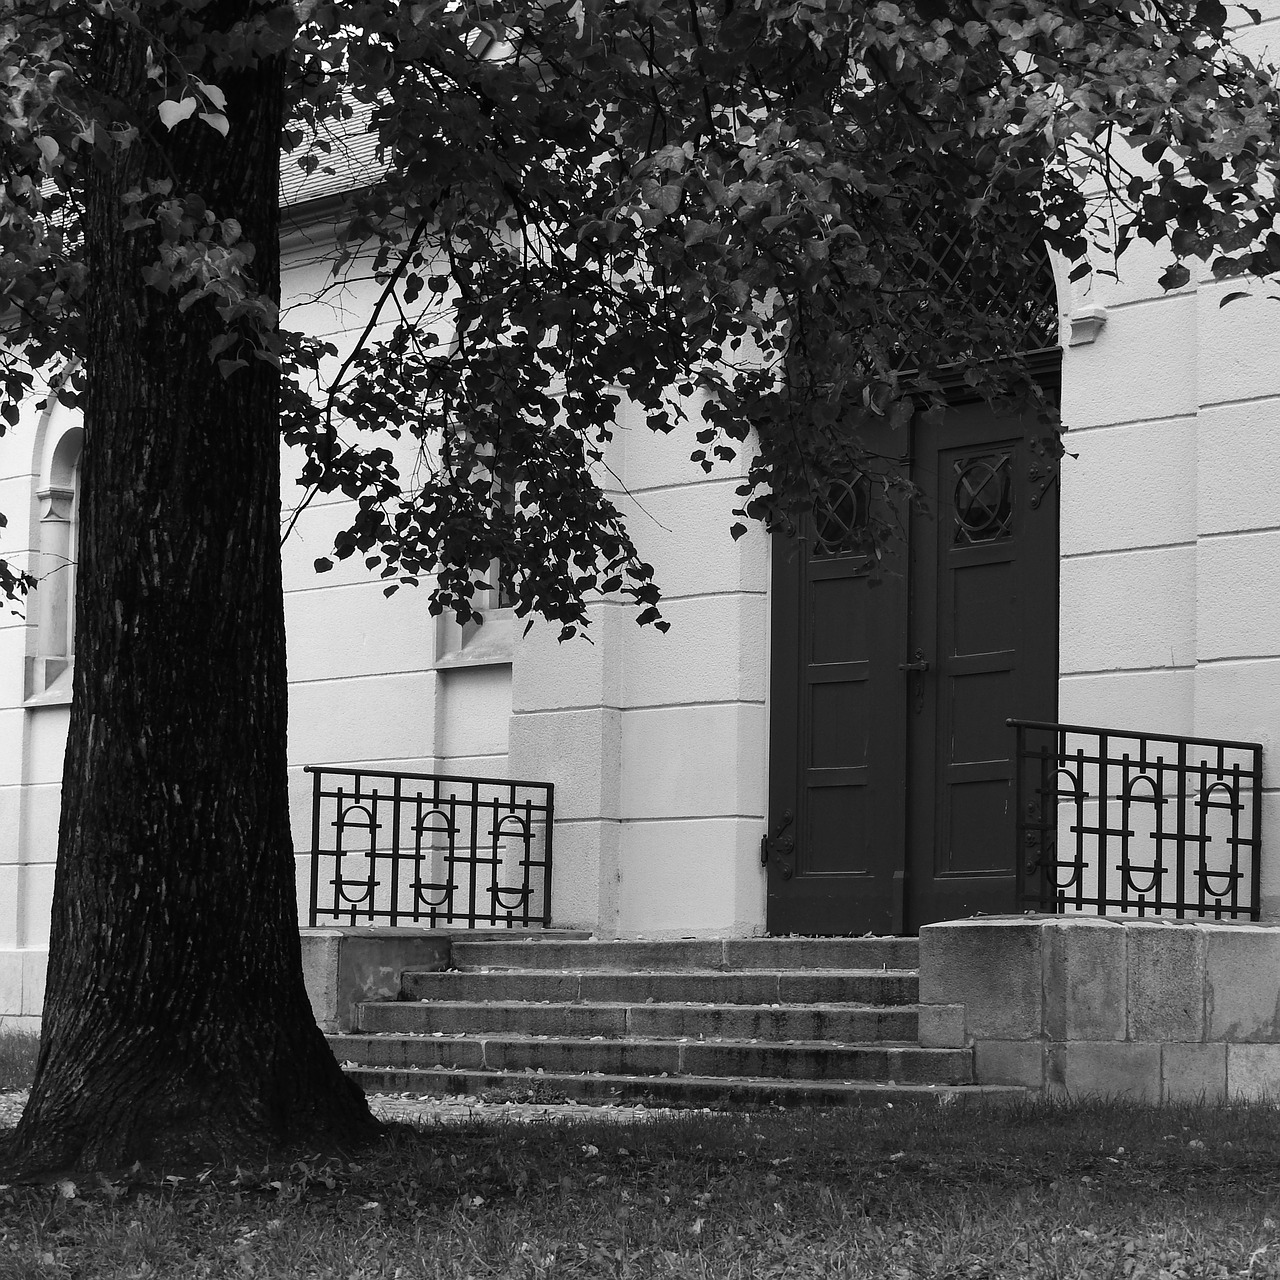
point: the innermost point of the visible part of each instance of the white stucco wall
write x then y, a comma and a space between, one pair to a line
1170, 587
656, 741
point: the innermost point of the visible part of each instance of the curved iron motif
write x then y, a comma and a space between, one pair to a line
1203, 873
425, 827
340, 883
521, 823
523, 833
1077, 792
370, 824
421, 827
984, 498
1077, 795
521, 895
839, 520
1157, 871
1053, 865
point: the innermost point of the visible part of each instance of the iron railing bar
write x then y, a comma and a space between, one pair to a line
475, 848
337, 855
451, 854
1235, 834
373, 849
495, 839
315, 851
526, 864
1125, 833
546, 856
423, 777
396, 811
1097, 730
1256, 888
1081, 795
1103, 865
1181, 838
1202, 805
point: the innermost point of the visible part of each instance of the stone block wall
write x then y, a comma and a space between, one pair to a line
1152, 1010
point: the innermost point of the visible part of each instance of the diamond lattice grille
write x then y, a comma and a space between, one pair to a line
1005, 291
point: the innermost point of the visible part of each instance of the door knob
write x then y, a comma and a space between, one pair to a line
919, 662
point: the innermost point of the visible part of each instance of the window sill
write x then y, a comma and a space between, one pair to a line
492, 656
490, 645
53, 678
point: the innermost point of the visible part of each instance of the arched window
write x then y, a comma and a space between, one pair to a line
53, 601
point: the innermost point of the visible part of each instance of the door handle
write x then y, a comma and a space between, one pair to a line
919, 663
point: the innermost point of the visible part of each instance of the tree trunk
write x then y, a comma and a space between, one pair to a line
176, 1024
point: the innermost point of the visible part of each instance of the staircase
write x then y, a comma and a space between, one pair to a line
816, 1021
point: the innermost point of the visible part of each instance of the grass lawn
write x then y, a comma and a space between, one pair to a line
958, 1191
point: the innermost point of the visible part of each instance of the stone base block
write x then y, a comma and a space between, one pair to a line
1084, 980
1242, 987
992, 966
1084, 1068
1193, 1072
941, 1026
1009, 1062
1253, 1072
1166, 981
343, 966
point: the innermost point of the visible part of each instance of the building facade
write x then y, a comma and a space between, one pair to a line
801, 752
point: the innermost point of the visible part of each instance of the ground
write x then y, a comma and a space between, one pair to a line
947, 1192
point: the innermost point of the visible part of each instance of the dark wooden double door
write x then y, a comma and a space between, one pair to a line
891, 770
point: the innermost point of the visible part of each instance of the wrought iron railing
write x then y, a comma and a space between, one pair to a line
1110, 821
433, 849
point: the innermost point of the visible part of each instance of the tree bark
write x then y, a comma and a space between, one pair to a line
176, 1025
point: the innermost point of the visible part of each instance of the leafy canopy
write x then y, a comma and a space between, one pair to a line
735, 213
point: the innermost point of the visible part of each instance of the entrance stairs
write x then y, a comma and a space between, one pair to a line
758, 1021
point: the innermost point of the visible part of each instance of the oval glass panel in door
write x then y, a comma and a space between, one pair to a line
984, 498
840, 519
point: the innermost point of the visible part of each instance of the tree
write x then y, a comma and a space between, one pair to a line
745, 208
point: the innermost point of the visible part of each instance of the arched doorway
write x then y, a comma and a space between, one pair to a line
891, 770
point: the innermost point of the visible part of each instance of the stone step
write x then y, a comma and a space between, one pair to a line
841, 1022
699, 1091
799, 1060
785, 986
721, 953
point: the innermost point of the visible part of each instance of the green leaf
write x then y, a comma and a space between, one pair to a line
174, 112
216, 121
